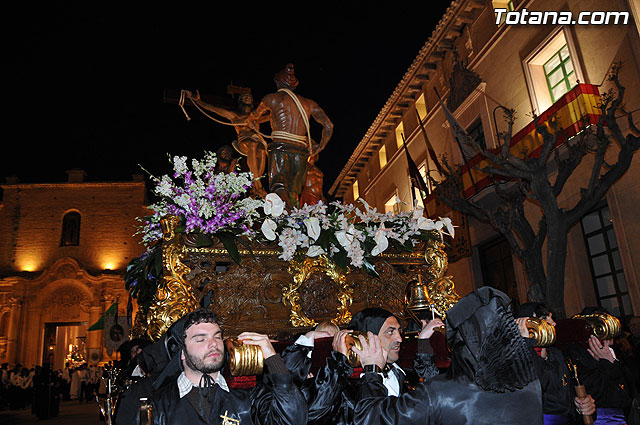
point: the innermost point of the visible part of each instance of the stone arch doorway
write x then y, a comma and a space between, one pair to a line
65, 312
64, 341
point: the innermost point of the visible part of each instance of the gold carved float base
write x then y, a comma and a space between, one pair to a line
268, 295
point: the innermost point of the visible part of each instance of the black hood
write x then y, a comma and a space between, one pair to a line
486, 346
528, 309
369, 320
165, 353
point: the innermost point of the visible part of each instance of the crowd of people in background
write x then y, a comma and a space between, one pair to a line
41, 389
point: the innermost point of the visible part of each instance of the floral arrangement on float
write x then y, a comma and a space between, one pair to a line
207, 202
346, 234
218, 204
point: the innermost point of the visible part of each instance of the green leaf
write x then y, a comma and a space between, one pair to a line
157, 263
400, 247
324, 240
229, 242
244, 243
340, 258
203, 240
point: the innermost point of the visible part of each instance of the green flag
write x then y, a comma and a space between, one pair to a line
99, 325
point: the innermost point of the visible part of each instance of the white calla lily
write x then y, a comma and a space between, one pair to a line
269, 229
346, 238
425, 223
313, 227
273, 205
382, 243
314, 251
450, 227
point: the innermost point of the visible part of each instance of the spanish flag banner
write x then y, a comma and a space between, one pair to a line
583, 101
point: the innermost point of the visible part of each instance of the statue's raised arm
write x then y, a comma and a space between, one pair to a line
249, 142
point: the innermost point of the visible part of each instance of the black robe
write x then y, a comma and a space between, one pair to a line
491, 378
605, 381
332, 393
558, 389
442, 401
276, 401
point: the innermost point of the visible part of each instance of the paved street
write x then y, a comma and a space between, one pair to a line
71, 413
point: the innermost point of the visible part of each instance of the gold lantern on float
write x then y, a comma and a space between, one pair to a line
542, 332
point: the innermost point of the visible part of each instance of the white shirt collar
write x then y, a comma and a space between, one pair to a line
391, 381
185, 385
137, 371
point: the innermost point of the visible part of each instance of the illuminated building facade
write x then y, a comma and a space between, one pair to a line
475, 64
64, 248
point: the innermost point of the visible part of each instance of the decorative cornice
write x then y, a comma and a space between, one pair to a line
411, 82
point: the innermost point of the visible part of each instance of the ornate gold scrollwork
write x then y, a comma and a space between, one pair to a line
175, 297
541, 332
605, 326
440, 288
168, 225
301, 269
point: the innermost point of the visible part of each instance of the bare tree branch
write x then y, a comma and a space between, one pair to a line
521, 179
576, 152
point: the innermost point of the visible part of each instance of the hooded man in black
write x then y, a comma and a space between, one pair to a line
152, 361
332, 393
491, 379
603, 376
191, 390
559, 402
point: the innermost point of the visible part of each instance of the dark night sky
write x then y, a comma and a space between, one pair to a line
85, 85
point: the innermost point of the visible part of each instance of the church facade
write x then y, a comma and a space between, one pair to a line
479, 63
64, 248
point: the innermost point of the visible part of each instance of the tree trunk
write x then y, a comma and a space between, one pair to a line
556, 264
535, 274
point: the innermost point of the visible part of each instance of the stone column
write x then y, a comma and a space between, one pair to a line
13, 331
31, 336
